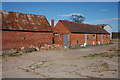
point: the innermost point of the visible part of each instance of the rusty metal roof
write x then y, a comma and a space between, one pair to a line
75, 27
21, 21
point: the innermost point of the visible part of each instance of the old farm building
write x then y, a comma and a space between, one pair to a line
22, 30
108, 28
68, 33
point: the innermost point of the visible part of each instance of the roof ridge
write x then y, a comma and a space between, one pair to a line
78, 23
78, 27
21, 13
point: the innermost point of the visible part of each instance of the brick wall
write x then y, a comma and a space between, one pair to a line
80, 39
16, 40
60, 29
77, 39
98, 39
59, 39
106, 40
74, 39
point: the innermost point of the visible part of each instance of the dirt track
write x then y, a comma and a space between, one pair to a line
62, 64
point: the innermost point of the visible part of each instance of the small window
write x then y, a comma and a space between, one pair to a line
60, 35
102, 26
25, 38
107, 36
94, 36
77, 42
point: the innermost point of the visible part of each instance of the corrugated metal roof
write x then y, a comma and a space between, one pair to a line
83, 28
20, 21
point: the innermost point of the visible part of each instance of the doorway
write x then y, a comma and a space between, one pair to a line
86, 39
66, 40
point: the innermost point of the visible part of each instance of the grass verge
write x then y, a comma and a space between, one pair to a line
103, 54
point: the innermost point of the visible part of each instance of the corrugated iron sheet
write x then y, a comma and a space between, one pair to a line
83, 28
20, 21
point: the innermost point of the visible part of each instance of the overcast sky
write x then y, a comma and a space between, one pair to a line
94, 12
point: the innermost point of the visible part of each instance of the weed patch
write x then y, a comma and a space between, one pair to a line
12, 55
109, 43
103, 54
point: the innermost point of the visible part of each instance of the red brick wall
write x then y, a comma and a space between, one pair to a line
106, 40
80, 38
98, 38
60, 29
16, 40
75, 37
90, 39
59, 39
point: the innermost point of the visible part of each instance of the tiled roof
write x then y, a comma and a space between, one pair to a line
104, 25
75, 27
20, 21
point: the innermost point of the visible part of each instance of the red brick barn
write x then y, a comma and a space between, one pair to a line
68, 33
23, 30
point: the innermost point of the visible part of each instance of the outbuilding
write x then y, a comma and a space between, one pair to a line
108, 28
67, 33
23, 30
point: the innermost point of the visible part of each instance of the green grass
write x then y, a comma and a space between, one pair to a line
12, 55
78, 46
103, 54
3, 56
109, 43
92, 55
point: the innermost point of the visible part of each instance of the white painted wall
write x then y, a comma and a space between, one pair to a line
108, 28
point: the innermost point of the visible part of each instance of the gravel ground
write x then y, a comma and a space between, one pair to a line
62, 64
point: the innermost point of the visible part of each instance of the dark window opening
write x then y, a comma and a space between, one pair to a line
102, 26
77, 41
107, 36
25, 38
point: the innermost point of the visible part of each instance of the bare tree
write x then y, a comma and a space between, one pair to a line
77, 18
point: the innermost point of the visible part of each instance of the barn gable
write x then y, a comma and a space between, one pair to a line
60, 29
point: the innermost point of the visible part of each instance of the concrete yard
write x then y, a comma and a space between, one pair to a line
62, 64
